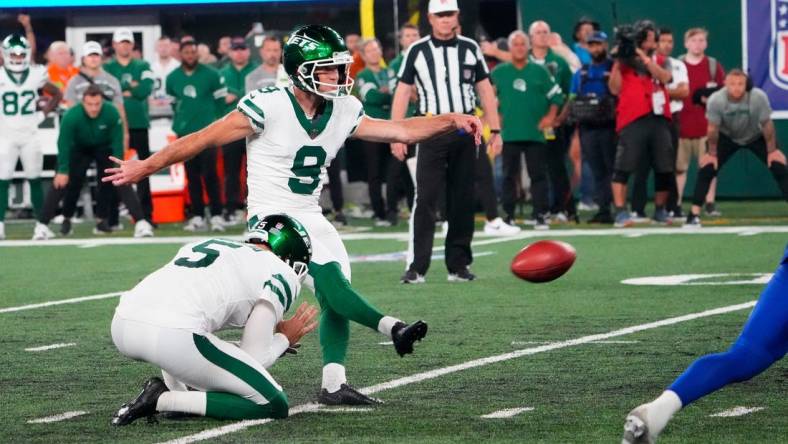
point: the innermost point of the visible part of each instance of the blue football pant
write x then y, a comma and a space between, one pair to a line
763, 341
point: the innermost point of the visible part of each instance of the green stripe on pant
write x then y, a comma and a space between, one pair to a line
231, 406
339, 303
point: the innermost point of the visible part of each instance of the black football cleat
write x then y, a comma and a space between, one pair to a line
144, 405
346, 395
404, 335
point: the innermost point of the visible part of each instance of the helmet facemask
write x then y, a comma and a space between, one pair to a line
301, 269
308, 80
17, 59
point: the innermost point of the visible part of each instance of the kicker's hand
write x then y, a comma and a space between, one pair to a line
303, 322
126, 173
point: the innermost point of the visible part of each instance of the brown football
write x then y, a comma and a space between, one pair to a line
543, 261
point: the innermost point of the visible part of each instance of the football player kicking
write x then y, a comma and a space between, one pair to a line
20, 83
292, 135
169, 320
762, 342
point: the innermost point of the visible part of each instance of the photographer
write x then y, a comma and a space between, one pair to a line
638, 78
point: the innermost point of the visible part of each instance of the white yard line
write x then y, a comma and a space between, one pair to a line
56, 418
736, 411
507, 413
50, 347
403, 236
516, 343
345, 409
61, 302
432, 374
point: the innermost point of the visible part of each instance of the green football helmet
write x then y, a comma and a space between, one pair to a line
316, 46
286, 238
16, 53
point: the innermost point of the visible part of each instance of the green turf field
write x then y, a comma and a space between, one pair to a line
577, 392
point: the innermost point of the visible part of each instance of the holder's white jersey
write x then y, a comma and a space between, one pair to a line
288, 154
211, 285
19, 95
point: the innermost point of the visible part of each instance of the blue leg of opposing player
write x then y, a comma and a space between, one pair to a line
762, 342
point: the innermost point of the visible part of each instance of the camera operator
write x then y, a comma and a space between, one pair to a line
638, 78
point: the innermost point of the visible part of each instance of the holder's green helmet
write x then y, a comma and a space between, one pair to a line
286, 238
315, 46
16, 53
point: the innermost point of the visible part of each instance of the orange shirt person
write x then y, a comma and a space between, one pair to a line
60, 68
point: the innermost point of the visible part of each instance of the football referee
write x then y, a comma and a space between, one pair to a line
444, 67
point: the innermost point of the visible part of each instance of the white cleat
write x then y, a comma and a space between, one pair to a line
217, 224
42, 232
636, 429
2, 230
196, 223
497, 227
143, 228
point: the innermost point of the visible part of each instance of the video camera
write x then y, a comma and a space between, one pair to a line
628, 38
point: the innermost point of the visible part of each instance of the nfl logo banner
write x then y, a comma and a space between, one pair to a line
765, 33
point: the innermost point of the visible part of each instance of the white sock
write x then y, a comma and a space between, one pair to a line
661, 410
386, 324
186, 402
333, 377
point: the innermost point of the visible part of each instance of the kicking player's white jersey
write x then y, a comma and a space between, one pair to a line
288, 154
211, 285
18, 98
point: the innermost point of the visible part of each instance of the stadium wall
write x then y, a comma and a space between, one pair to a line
745, 176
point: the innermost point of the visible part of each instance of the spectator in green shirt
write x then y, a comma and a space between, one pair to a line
90, 131
374, 85
234, 75
136, 82
408, 33
199, 99
398, 178
563, 205
529, 100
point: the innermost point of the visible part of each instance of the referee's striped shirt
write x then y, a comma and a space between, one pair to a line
445, 73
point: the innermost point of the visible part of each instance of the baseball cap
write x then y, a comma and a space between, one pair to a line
597, 37
123, 35
187, 40
91, 48
238, 43
438, 6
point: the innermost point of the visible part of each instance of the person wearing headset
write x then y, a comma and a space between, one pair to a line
739, 117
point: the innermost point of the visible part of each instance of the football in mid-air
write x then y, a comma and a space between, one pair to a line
543, 261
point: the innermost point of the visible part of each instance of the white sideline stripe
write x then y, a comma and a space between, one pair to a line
50, 347
736, 411
386, 343
345, 409
61, 302
553, 342
403, 236
56, 418
432, 374
507, 413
